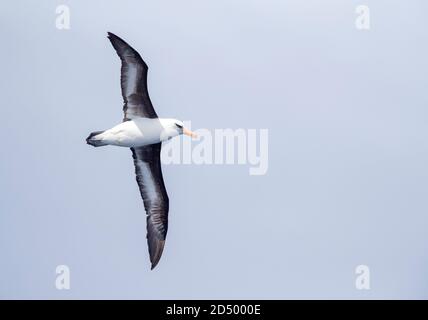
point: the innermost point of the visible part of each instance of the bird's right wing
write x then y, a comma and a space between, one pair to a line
133, 81
152, 188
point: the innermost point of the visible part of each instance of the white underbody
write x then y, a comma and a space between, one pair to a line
139, 132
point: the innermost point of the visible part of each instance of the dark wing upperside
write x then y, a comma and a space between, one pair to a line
156, 202
133, 81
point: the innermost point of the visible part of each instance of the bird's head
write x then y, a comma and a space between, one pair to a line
174, 127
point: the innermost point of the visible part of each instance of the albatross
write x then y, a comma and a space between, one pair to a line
142, 131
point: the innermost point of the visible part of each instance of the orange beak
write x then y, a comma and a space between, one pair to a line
189, 133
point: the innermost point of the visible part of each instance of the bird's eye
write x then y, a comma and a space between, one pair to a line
179, 125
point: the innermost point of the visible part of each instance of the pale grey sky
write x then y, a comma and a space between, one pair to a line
347, 181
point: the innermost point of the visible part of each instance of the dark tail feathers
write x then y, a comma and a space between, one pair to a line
94, 142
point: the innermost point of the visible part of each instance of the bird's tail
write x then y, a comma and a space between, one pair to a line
94, 141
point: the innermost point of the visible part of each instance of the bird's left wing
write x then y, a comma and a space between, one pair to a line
152, 188
133, 81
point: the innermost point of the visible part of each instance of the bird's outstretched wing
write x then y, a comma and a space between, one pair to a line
133, 81
152, 189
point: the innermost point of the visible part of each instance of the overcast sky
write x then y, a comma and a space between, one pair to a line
346, 111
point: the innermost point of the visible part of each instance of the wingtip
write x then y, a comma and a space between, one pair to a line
156, 254
111, 36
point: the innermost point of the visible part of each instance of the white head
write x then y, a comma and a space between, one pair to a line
174, 127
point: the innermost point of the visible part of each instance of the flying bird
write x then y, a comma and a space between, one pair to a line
142, 131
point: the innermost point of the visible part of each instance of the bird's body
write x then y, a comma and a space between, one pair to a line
143, 132
138, 132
